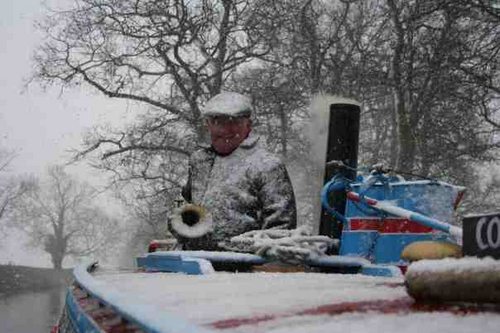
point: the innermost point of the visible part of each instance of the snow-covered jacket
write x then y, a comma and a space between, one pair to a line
247, 190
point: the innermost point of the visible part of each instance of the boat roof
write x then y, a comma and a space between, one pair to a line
284, 302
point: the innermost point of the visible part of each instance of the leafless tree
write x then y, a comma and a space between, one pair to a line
150, 221
60, 217
12, 188
426, 73
440, 81
168, 56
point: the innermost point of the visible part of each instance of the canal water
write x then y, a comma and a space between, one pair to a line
31, 312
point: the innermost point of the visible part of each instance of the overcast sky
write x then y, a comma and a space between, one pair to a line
40, 126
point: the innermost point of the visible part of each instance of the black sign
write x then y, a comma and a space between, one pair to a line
481, 235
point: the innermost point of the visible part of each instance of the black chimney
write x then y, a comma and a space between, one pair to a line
342, 145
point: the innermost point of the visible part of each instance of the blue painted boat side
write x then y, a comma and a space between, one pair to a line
79, 321
173, 264
214, 256
338, 261
388, 247
181, 262
383, 248
380, 270
357, 243
148, 318
416, 196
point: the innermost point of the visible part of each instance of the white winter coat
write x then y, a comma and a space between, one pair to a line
247, 190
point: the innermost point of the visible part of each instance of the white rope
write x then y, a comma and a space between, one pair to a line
291, 246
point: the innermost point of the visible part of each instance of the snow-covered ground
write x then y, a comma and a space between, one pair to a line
291, 302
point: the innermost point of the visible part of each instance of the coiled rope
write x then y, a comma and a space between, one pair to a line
294, 246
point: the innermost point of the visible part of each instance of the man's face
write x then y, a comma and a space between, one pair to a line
228, 132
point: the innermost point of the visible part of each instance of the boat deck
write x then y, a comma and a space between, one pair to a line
288, 302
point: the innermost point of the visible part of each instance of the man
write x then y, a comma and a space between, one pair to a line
241, 185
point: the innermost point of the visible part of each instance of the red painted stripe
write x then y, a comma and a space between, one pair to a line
237, 322
458, 199
355, 197
401, 305
389, 225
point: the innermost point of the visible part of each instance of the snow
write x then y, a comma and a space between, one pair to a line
370, 323
280, 300
246, 190
431, 198
202, 227
342, 261
317, 135
466, 264
287, 245
131, 307
227, 104
215, 256
203, 299
482, 214
205, 265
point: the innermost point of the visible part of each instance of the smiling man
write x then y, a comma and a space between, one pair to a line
243, 186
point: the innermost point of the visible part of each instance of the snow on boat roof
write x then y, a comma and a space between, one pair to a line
482, 214
275, 299
202, 299
369, 323
129, 307
211, 255
466, 264
415, 182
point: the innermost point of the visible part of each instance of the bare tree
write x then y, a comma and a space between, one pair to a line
442, 68
147, 158
167, 56
7, 191
426, 73
170, 55
150, 221
11, 188
60, 217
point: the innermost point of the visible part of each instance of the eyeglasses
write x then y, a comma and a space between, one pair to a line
227, 121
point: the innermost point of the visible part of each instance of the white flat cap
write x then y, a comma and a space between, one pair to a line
229, 104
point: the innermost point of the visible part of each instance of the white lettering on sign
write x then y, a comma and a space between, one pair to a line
491, 243
479, 239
